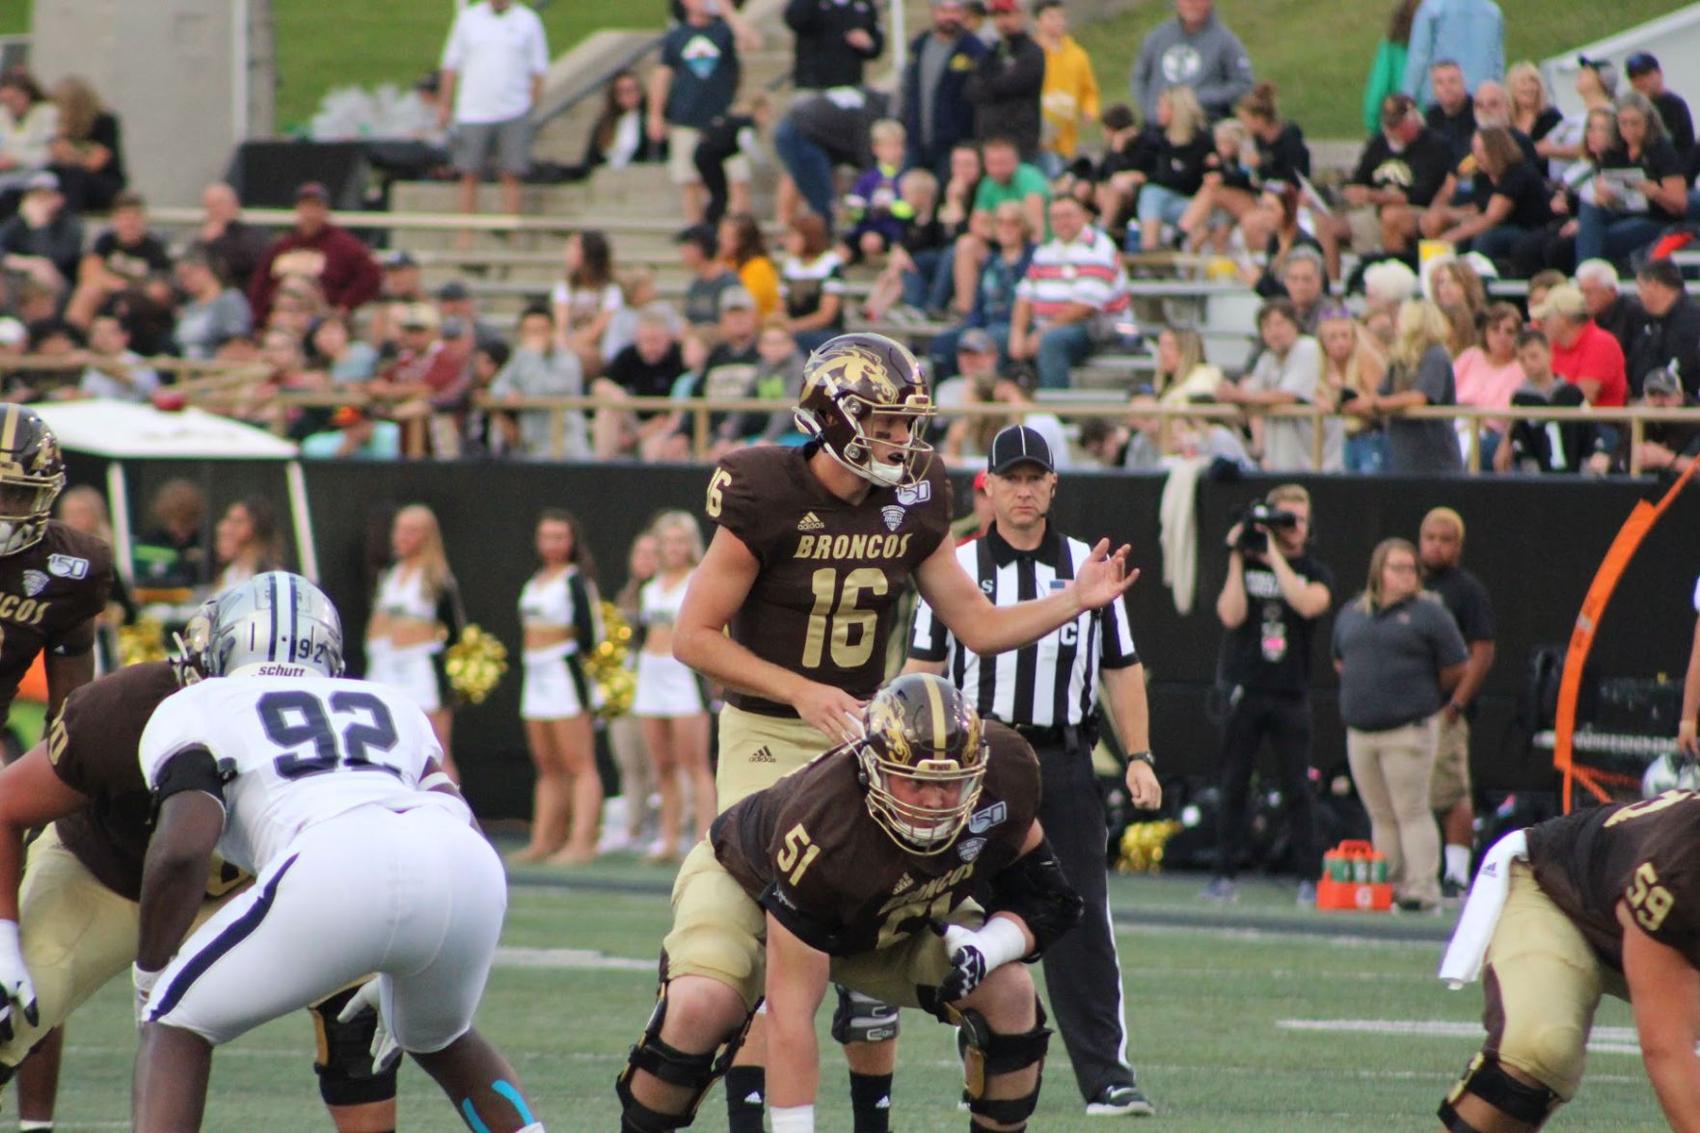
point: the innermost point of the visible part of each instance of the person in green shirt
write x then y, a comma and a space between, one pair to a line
1007, 178
1387, 71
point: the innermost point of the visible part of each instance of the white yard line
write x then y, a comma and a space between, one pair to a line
1604, 1040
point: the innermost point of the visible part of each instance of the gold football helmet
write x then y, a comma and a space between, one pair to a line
31, 475
846, 383
923, 758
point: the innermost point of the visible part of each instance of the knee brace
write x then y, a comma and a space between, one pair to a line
344, 1059
861, 1018
1486, 1079
988, 1054
694, 1072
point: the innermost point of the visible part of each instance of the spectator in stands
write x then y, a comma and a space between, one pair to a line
1288, 372
1583, 354
1304, 282
1667, 447
213, 312
401, 283
114, 370
818, 134
728, 137
912, 269
729, 371
1352, 365
1178, 143
619, 137
1068, 303
1453, 285
1006, 88
169, 554
1510, 225
937, 114
121, 258
345, 360
646, 368
487, 432
543, 364
226, 237
834, 41
1532, 111
1399, 172
1276, 159
1419, 373
1648, 78
28, 125
459, 311
811, 283
1470, 34
1452, 113
44, 241
1641, 192
586, 298
1666, 331
1387, 69
696, 79
492, 67
1278, 215
874, 207
354, 435
1069, 98
1194, 50
245, 543
638, 292
331, 256
1612, 310
428, 376
744, 250
421, 115
993, 309
1536, 446
1007, 178
779, 378
971, 437
709, 275
1182, 375
87, 152
1487, 375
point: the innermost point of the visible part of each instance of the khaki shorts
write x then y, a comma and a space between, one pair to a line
76, 935
1450, 784
682, 158
719, 932
1543, 984
756, 751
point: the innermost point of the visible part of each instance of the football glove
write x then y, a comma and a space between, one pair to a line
15, 986
385, 1050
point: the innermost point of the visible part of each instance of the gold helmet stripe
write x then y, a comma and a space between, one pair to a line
9, 428
935, 705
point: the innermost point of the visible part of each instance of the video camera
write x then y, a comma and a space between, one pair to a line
1257, 521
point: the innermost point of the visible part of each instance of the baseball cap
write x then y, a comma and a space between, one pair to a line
1661, 381
42, 180
975, 341
420, 315
737, 299
1017, 444
1604, 68
313, 191
701, 235
1641, 63
998, 7
1565, 299
453, 291
397, 258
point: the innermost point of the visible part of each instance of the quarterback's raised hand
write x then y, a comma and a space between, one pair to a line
1103, 577
15, 983
385, 1050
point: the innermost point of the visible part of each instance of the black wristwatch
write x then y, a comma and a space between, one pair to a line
1144, 757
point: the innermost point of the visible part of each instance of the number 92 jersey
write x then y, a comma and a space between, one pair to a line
294, 751
832, 572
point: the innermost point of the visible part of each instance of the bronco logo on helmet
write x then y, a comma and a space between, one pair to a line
846, 384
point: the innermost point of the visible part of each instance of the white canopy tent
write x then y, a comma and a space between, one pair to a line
123, 430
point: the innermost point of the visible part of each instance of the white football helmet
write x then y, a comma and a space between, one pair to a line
273, 618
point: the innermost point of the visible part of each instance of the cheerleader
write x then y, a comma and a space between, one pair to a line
559, 616
669, 700
416, 611
625, 733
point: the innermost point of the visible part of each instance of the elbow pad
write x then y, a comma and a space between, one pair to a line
1035, 889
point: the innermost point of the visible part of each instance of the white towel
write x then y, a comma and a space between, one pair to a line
1178, 523
1462, 963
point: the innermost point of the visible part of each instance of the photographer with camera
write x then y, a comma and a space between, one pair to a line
1270, 603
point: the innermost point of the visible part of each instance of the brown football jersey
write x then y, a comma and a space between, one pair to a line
808, 850
92, 744
832, 573
50, 593
1646, 854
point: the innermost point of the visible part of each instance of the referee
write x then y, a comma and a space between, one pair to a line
1047, 691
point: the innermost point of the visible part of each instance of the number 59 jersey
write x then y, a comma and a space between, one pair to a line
294, 751
825, 600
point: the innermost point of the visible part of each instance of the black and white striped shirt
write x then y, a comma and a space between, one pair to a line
1053, 682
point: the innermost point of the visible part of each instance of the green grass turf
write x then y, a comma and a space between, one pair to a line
1318, 51
1203, 1005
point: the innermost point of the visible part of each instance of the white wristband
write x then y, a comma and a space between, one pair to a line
9, 937
793, 1119
1001, 942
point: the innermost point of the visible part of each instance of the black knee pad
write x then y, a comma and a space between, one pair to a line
344, 1059
1485, 1078
861, 1018
694, 1072
989, 1054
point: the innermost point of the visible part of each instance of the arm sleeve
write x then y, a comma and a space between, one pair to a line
192, 769
1117, 650
539, 49
1449, 643
454, 48
734, 504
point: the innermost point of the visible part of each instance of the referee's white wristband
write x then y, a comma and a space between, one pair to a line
793, 1119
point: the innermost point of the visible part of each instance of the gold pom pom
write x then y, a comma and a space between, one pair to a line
142, 640
1142, 846
475, 664
616, 685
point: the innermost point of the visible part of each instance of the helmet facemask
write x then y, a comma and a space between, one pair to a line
920, 828
906, 463
26, 504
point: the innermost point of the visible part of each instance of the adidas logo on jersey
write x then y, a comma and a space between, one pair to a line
810, 522
762, 755
904, 882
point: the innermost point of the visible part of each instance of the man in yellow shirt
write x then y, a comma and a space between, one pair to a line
1070, 94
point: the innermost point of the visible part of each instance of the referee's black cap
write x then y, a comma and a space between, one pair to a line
1017, 444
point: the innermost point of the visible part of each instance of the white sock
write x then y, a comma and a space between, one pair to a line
1458, 864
